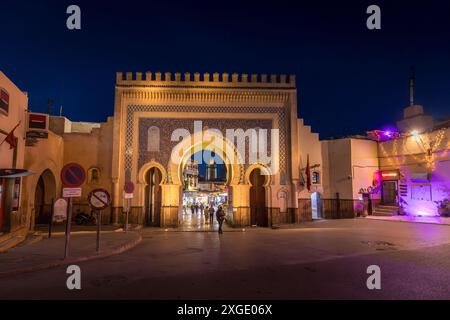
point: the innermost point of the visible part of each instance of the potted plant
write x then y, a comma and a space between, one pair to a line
401, 207
443, 207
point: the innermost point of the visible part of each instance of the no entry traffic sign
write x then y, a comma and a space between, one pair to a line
99, 199
73, 175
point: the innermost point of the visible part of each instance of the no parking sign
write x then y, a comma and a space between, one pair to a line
73, 175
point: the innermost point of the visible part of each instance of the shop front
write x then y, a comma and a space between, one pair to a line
10, 186
389, 187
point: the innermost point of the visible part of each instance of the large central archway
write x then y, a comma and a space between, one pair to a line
205, 188
186, 150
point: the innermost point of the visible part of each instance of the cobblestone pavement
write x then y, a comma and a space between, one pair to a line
325, 260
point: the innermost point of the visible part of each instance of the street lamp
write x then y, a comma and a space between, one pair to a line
416, 135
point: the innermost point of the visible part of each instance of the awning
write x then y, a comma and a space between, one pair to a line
419, 177
14, 173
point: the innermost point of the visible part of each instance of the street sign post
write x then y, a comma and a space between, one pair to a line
99, 199
72, 176
50, 223
129, 189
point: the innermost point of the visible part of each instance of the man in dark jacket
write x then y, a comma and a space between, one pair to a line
211, 215
220, 216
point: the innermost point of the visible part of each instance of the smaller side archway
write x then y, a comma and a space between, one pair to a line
153, 196
146, 167
263, 171
44, 196
258, 178
151, 177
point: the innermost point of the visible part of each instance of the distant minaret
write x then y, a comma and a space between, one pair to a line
411, 86
211, 171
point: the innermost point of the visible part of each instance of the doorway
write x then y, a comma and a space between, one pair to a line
316, 206
2, 202
258, 210
153, 179
44, 196
390, 192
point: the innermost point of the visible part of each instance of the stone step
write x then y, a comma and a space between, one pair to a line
386, 210
385, 206
32, 237
383, 214
10, 243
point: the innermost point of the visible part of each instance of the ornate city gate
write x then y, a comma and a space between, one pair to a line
153, 114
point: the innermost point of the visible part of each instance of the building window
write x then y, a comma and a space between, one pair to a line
94, 176
153, 139
4, 101
421, 192
315, 178
283, 197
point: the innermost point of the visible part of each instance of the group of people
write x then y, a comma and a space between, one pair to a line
209, 212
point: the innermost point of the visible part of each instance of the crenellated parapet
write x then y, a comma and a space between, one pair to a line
196, 79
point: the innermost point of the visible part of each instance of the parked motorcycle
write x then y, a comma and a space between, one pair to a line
83, 218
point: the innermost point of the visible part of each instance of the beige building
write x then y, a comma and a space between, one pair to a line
161, 120
402, 172
13, 106
149, 108
136, 145
88, 144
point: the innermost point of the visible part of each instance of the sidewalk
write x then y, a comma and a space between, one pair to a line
49, 253
61, 229
432, 220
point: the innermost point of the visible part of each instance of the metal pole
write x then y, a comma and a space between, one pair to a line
128, 211
99, 222
68, 225
50, 224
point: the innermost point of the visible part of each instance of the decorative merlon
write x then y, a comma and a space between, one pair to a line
206, 79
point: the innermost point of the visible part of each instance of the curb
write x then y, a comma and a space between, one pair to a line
63, 233
11, 243
421, 222
58, 263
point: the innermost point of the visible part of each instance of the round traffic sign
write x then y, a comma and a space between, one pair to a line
73, 175
129, 187
99, 199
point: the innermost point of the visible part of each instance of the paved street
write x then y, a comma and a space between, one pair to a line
326, 259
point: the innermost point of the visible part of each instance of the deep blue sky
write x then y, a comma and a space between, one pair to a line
349, 79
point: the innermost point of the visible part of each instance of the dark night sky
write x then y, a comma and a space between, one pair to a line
349, 79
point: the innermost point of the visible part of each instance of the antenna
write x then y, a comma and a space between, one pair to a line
50, 103
411, 85
62, 98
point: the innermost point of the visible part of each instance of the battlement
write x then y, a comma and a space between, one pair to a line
206, 79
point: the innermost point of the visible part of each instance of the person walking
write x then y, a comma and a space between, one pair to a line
220, 215
196, 208
206, 213
211, 215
